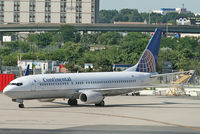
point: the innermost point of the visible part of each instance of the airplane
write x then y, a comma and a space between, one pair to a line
90, 88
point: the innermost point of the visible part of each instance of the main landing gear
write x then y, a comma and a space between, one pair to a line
101, 104
21, 105
72, 102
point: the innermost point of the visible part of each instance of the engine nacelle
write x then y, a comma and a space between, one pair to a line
91, 97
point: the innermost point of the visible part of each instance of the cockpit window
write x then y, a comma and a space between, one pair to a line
17, 84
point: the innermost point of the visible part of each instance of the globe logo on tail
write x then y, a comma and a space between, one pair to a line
147, 62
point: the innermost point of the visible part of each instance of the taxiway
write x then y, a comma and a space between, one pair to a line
122, 114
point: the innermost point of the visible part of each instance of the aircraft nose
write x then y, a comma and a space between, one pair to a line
7, 90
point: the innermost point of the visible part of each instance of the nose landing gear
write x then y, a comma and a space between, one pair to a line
20, 101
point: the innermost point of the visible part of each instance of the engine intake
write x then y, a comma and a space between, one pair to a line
91, 97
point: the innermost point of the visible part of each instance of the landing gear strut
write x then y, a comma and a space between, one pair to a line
101, 104
20, 101
72, 102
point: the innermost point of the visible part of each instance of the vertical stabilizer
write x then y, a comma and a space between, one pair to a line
27, 70
148, 60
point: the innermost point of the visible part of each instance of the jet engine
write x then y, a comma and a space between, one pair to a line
91, 97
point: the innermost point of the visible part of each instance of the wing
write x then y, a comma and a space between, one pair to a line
124, 90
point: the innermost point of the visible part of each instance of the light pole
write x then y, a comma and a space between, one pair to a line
32, 53
149, 16
167, 29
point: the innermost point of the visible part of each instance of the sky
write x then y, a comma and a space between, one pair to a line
149, 5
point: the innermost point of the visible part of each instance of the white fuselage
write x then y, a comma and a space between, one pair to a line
67, 85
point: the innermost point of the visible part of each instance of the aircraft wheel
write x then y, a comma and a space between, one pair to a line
101, 104
72, 102
75, 102
21, 105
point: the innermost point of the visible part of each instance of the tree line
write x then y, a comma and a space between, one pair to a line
118, 48
132, 15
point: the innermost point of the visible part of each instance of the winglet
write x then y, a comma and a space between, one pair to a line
148, 60
27, 70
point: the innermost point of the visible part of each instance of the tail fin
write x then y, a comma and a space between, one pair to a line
27, 70
148, 60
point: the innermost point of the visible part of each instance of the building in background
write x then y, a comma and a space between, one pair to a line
121, 67
183, 21
88, 65
49, 11
167, 67
40, 66
183, 35
164, 11
7, 39
10, 70
188, 21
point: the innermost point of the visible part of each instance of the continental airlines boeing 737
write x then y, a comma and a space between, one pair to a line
90, 88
